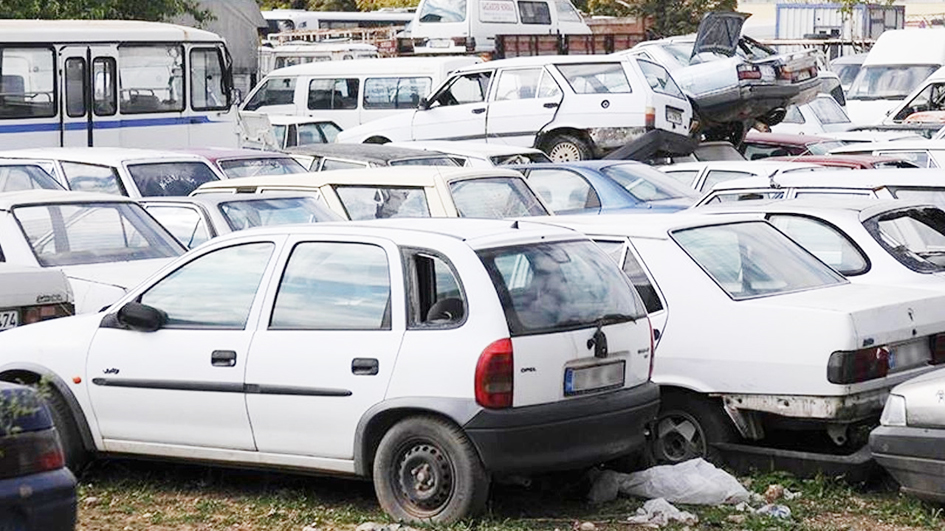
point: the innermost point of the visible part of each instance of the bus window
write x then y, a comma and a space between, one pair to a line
151, 78
75, 87
104, 95
26, 83
208, 86
333, 94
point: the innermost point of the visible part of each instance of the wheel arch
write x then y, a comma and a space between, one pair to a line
378, 419
30, 374
544, 136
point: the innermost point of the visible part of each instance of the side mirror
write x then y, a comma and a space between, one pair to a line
424, 104
141, 317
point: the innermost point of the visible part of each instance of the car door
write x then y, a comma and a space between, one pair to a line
524, 101
325, 351
183, 384
456, 112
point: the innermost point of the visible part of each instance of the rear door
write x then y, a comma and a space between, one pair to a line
523, 102
600, 94
671, 109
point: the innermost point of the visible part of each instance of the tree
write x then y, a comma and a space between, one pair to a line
155, 10
667, 18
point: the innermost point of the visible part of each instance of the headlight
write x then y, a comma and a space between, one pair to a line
894, 414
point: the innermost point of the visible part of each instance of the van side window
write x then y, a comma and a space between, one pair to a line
274, 91
395, 92
151, 78
26, 83
534, 12
470, 88
333, 93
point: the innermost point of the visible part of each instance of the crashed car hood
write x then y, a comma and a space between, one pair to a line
719, 33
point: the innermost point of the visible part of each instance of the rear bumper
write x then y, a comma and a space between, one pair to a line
914, 456
44, 501
565, 435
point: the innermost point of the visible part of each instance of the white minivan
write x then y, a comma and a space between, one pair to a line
461, 26
570, 107
350, 92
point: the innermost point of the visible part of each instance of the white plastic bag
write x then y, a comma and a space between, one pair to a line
660, 512
695, 482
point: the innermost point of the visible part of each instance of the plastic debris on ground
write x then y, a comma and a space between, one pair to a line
660, 512
693, 482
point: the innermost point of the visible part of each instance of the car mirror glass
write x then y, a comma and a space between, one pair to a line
141, 317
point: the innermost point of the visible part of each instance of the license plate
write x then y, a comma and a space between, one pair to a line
673, 116
579, 380
909, 355
439, 43
767, 72
9, 319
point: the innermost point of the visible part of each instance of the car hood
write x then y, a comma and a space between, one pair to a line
719, 33
925, 397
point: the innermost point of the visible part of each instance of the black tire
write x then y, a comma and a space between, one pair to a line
427, 470
566, 148
77, 457
686, 428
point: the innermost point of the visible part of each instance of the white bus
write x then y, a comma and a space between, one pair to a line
113, 83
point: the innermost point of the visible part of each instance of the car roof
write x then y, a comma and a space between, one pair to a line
858, 206
892, 145
644, 225
211, 199
393, 176
231, 153
756, 166
379, 153
541, 60
9, 200
97, 155
374, 66
472, 149
852, 159
787, 139
858, 179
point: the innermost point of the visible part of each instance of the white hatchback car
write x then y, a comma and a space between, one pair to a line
429, 354
570, 107
703, 176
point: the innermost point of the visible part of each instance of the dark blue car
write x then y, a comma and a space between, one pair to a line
37, 491
606, 186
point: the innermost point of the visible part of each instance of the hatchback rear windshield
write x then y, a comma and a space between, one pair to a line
753, 259
275, 211
378, 202
262, 166
91, 233
170, 178
559, 286
495, 198
15, 177
915, 237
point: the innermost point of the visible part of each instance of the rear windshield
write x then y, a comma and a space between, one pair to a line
92, 233
753, 259
377, 202
935, 196
260, 212
495, 198
158, 179
15, 177
425, 161
647, 184
261, 166
915, 237
559, 286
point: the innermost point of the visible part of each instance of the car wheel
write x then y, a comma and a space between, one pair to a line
687, 427
427, 470
567, 148
73, 449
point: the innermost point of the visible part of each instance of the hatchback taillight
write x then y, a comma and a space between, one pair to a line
35, 314
746, 71
650, 118
31, 452
937, 346
494, 372
858, 366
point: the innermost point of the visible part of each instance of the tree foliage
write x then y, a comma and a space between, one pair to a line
155, 10
666, 18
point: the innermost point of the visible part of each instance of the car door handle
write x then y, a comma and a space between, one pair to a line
364, 366
479, 110
223, 358
550, 105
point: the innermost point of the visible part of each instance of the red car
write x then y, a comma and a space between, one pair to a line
853, 162
759, 145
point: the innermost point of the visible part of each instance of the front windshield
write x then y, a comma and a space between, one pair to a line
753, 259
156, 179
823, 148
442, 11
646, 184
559, 286
15, 177
889, 82
261, 212
262, 166
92, 233
915, 237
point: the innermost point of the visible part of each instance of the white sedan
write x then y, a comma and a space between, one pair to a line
103, 243
31, 294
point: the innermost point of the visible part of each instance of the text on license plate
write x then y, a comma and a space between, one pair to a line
673, 115
9, 319
439, 43
578, 380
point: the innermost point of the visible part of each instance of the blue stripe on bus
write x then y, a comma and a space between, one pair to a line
105, 124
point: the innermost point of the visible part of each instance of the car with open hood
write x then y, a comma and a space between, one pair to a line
732, 80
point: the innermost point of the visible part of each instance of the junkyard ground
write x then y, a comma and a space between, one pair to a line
129, 495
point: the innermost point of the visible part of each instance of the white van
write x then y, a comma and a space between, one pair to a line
928, 97
351, 92
462, 26
898, 63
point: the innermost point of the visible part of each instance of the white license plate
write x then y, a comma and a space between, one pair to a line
909, 355
767, 72
578, 380
9, 319
673, 116
439, 43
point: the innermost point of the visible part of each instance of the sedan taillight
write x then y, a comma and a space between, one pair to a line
494, 375
747, 71
35, 314
848, 367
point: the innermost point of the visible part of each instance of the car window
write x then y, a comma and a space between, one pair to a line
14, 177
931, 98
468, 88
753, 259
170, 178
395, 92
201, 294
935, 196
495, 198
443, 160
274, 91
377, 202
660, 80
634, 271
824, 148
93, 233
436, 294
519, 158
518, 84
334, 286
715, 177
825, 241
184, 222
596, 78
921, 159
647, 184
265, 211
559, 286
327, 94
566, 11
761, 151
316, 133
832, 193
793, 115
92, 178
684, 177
563, 190
748, 195
534, 12
828, 111
260, 166
915, 237
329, 164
